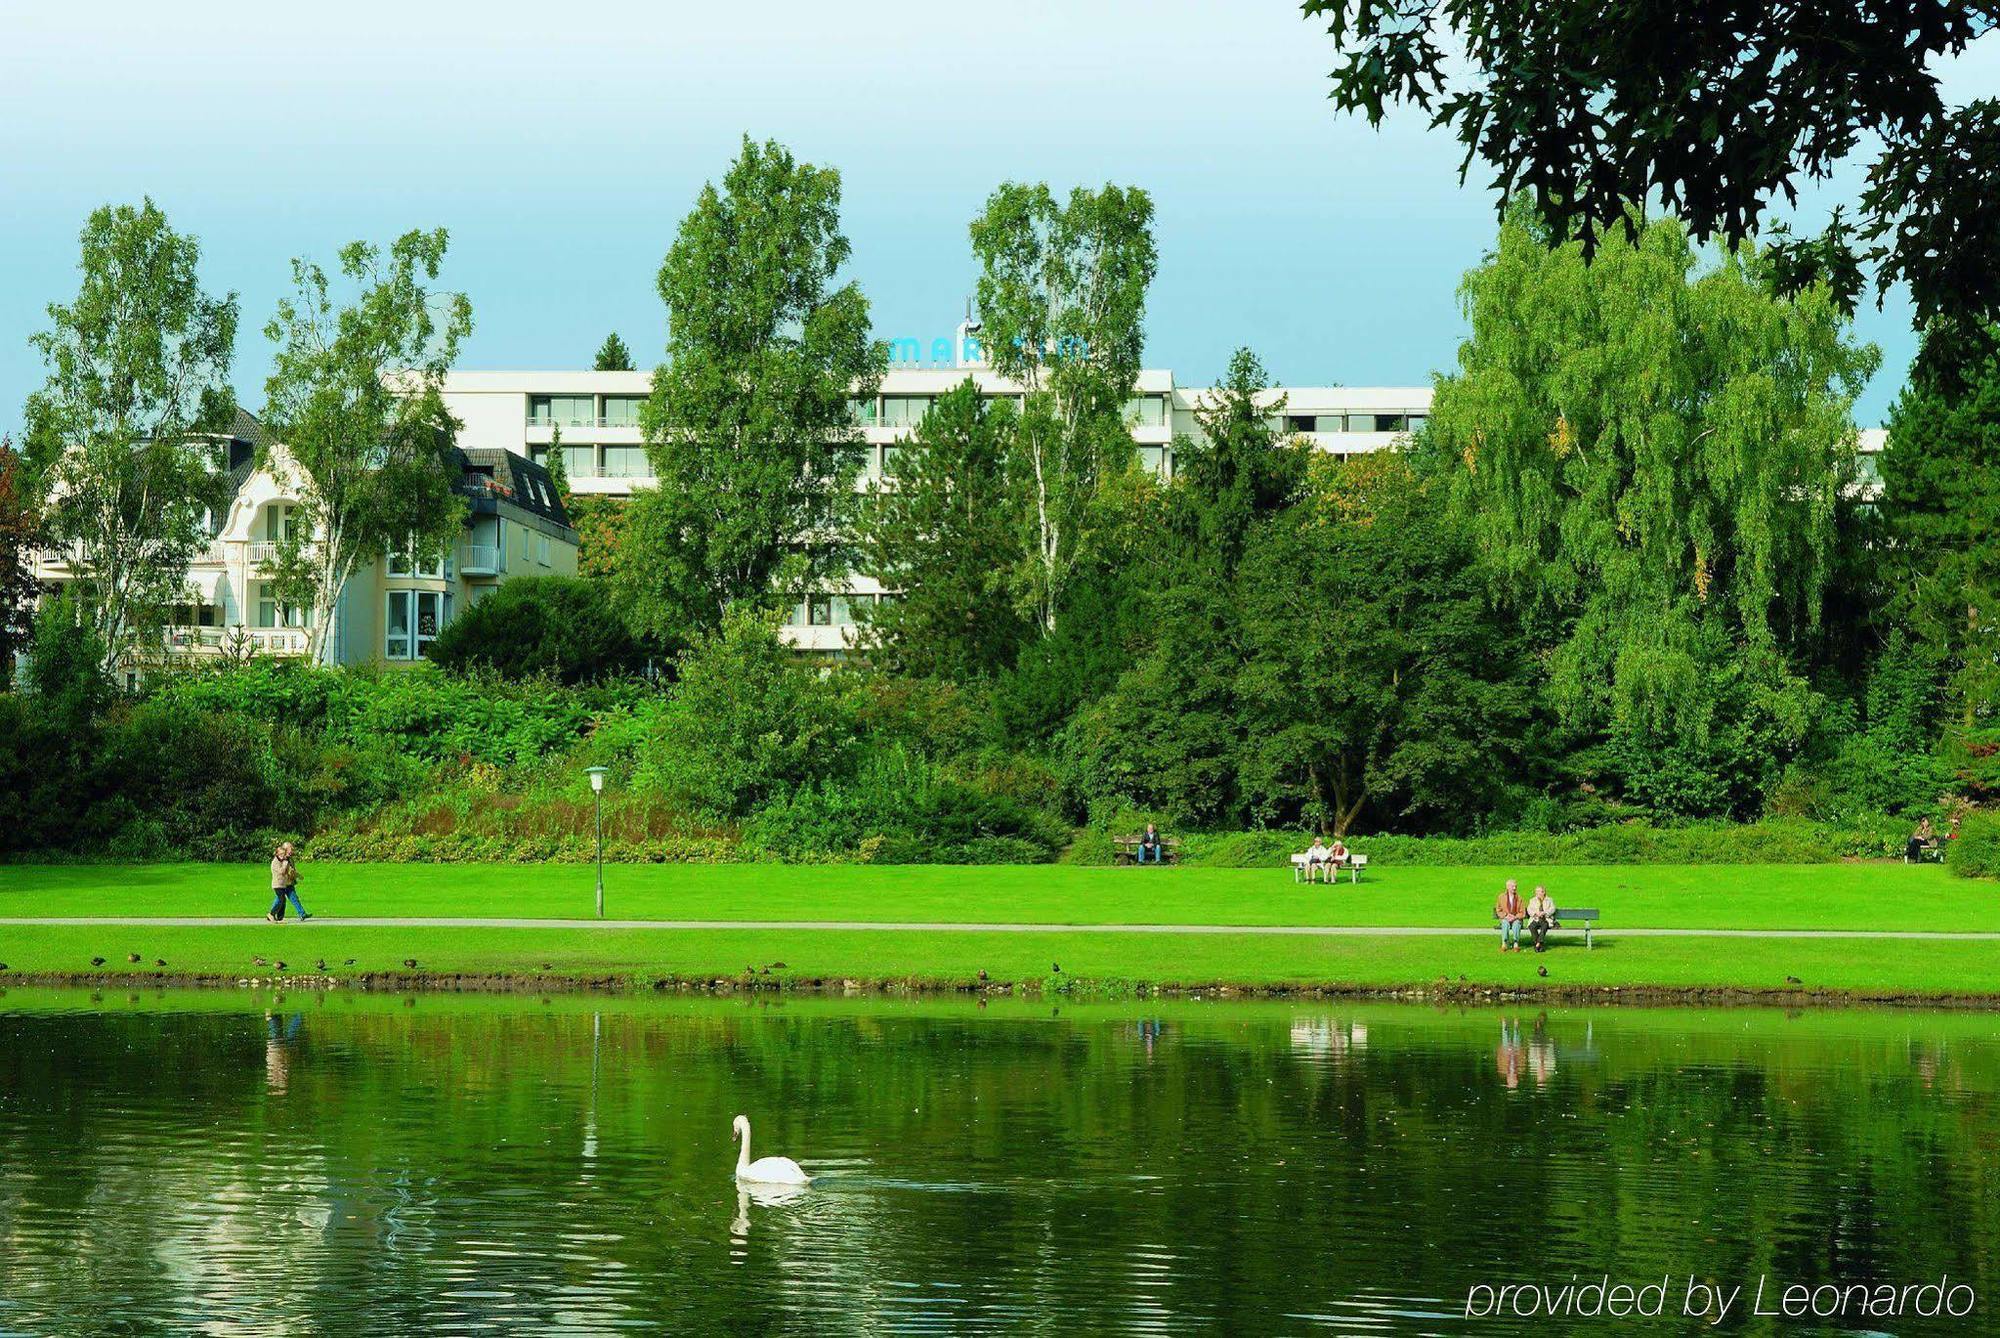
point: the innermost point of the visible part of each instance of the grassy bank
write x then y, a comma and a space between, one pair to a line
1748, 896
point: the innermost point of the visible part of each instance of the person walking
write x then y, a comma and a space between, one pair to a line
1507, 906
1541, 917
285, 883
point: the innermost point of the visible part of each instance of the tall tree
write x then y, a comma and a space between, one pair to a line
1940, 506
20, 542
120, 434
1714, 108
355, 397
945, 535
749, 429
1652, 460
612, 355
1062, 301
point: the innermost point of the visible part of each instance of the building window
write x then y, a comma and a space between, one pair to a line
1146, 411
1301, 423
1153, 459
1417, 421
891, 456
280, 521
866, 412
622, 410
904, 410
272, 613
562, 411
412, 623
842, 612
626, 462
432, 566
1380, 422
1329, 422
819, 610
580, 462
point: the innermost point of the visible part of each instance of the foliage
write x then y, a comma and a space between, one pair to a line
748, 722
599, 522
355, 396
612, 355
1062, 300
561, 628
945, 536
118, 436
1712, 109
1976, 852
1652, 462
749, 429
20, 542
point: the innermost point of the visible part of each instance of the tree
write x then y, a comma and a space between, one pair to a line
1940, 508
1377, 675
1651, 461
1236, 469
20, 543
1713, 108
355, 396
945, 535
1062, 299
561, 627
748, 428
612, 355
119, 437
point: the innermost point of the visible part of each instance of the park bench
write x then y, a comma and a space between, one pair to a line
1353, 863
1125, 849
1929, 853
1584, 918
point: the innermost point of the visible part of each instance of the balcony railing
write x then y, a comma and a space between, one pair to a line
481, 560
548, 420
268, 640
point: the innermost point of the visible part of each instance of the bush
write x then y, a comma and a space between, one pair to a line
1976, 852
562, 628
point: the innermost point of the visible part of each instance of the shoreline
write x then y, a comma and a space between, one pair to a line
1075, 989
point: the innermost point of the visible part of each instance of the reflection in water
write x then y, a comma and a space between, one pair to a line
181, 1162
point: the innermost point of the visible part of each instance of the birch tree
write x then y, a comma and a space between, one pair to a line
1062, 296
121, 436
355, 399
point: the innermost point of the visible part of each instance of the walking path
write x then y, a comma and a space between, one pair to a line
955, 927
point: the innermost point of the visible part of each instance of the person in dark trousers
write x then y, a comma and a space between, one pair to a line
285, 883
1150, 846
1541, 916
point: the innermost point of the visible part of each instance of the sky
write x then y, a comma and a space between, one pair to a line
561, 145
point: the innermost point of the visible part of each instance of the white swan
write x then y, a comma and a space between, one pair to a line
765, 1170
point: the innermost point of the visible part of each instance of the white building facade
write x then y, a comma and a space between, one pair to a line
595, 416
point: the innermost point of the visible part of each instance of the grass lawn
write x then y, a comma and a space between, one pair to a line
1735, 897
1901, 968
1767, 896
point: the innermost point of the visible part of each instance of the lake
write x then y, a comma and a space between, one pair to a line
372, 1163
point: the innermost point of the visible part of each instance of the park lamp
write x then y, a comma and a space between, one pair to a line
597, 775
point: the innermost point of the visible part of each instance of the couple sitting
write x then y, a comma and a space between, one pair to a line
1323, 859
1538, 914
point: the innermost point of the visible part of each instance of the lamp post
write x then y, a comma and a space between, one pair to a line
596, 775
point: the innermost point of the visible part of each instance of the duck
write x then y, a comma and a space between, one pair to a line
765, 1170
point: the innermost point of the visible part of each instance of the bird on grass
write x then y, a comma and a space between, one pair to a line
410, 962
3, 966
131, 956
348, 962
1793, 980
1056, 968
258, 961
159, 961
547, 967
97, 961
279, 965
1541, 970
982, 973
320, 965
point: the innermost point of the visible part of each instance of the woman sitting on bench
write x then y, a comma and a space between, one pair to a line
1541, 916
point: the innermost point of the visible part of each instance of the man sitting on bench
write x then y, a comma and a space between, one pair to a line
1541, 916
1150, 847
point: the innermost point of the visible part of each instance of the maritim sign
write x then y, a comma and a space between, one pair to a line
965, 350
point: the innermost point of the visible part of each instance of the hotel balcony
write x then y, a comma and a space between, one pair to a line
279, 641
481, 560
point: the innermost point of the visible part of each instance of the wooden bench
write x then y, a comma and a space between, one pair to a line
1302, 867
1125, 849
1931, 853
1586, 919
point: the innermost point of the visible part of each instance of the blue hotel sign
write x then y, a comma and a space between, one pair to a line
964, 351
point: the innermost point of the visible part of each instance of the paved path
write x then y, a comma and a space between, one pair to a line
955, 927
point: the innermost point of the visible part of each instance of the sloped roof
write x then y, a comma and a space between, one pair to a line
515, 478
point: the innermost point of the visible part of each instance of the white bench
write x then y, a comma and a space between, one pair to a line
1302, 866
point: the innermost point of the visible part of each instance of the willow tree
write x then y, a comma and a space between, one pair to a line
1652, 451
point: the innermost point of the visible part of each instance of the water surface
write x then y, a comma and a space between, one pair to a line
311, 1162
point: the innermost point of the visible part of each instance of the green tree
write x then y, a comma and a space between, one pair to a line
1062, 301
749, 430
20, 542
946, 536
120, 436
564, 628
1714, 109
1376, 676
355, 396
1940, 508
1652, 461
612, 355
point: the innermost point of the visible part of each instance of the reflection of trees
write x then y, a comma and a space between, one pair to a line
425, 1164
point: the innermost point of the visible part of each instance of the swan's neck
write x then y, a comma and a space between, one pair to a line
743, 1151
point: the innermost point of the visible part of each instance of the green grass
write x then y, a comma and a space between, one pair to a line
941, 957
1812, 896
1735, 897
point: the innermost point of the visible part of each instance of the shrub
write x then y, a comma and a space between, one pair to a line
1976, 852
562, 628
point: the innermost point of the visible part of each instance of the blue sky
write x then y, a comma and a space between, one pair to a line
562, 144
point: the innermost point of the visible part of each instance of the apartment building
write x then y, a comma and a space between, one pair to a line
390, 611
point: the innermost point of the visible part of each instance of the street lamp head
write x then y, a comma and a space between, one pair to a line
597, 775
